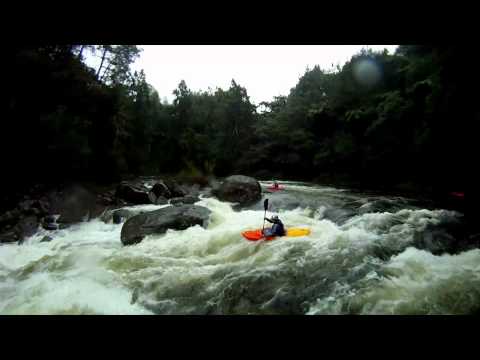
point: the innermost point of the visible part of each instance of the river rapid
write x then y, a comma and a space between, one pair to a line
360, 258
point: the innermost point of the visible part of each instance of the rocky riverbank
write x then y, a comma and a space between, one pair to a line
63, 206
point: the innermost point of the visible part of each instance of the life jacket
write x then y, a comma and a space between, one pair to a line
278, 229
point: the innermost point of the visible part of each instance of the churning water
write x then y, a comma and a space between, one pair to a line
359, 259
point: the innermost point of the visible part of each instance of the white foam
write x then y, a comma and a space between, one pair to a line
85, 268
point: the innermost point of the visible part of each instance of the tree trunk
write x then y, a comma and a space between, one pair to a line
101, 63
105, 72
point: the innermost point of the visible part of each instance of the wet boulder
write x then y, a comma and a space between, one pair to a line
74, 204
159, 221
188, 199
241, 189
132, 193
49, 223
447, 236
46, 239
9, 236
160, 190
27, 227
175, 189
50, 226
117, 216
157, 200
121, 215
161, 201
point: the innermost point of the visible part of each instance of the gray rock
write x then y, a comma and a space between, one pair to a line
132, 193
161, 201
160, 189
152, 197
46, 239
189, 199
117, 216
49, 219
122, 215
50, 226
175, 189
74, 205
445, 237
241, 189
9, 236
27, 226
159, 221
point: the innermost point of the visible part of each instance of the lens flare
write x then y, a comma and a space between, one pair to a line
367, 73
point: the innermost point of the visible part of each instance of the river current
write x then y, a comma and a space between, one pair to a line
360, 258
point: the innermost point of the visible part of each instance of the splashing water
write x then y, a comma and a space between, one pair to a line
355, 261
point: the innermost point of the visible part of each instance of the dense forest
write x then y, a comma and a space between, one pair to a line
379, 120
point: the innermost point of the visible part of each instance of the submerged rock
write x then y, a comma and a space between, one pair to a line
241, 189
159, 221
46, 239
448, 236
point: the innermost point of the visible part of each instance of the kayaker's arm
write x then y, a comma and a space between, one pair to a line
270, 221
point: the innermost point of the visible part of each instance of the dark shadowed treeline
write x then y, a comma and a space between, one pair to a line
380, 120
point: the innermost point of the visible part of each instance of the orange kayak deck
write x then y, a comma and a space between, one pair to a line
255, 235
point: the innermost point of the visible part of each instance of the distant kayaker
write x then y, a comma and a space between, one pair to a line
275, 185
277, 228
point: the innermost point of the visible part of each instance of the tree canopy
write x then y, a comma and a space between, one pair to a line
380, 119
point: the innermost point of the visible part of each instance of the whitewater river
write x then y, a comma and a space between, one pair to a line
359, 259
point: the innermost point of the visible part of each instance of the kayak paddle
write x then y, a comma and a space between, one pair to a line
265, 206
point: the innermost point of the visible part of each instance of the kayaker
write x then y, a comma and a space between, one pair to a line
275, 185
277, 228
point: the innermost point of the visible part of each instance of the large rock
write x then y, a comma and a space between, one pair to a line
9, 236
175, 189
448, 236
132, 193
161, 190
240, 189
121, 215
167, 189
117, 216
27, 227
160, 200
159, 221
74, 204
188, 199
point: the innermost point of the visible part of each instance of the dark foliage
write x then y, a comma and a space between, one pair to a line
382, 120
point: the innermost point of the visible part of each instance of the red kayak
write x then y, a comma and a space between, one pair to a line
458, 194
255, 235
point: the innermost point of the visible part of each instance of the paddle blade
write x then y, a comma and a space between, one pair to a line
265, 204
